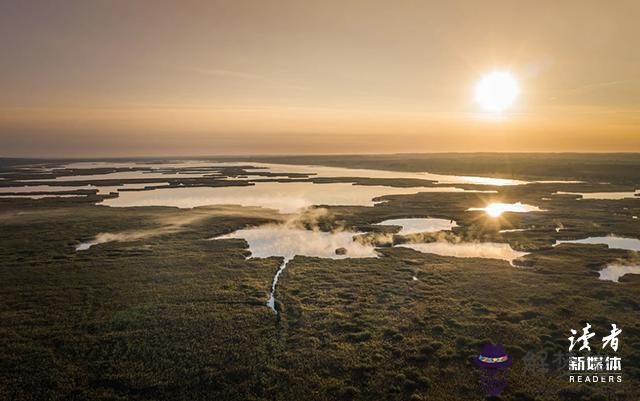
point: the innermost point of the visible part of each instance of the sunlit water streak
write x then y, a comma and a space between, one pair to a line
603, 195
420, 225
283, 196
513, 230
487, 250
315, 171
612, 241
341, 172
496, 209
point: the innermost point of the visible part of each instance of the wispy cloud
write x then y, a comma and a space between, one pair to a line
246, 76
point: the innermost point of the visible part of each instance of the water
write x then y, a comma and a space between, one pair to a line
603, 195
488, 250
496, 209
271, 302
315, 171
101, 190
286, 242
420, 225
126, 175
83, 246
513, 230
341, 172
286, 197
612, 241
613, 272
163, 164
38, 196
39, 188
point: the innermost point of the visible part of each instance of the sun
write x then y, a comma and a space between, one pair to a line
496, 209
497, 91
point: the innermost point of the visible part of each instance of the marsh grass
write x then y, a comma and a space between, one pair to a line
177, 317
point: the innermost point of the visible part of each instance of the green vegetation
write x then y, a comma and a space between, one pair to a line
173, 315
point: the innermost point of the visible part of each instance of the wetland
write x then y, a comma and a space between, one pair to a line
158, 279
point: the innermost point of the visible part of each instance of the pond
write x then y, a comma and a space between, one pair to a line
420, 225
497, 208
612, 241
603, 195
285, 197
287, 242
613, 272
488, 250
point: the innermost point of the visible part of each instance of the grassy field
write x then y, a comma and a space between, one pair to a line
171, 315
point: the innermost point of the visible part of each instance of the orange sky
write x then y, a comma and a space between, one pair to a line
117, 78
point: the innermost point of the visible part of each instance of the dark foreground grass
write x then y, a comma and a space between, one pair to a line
171, 315
178, 317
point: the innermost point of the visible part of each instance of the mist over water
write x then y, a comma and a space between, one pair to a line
488, 250
287, 241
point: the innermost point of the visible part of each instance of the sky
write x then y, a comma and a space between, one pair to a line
96, 78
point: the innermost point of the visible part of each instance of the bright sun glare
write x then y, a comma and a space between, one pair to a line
496, 209
497, 91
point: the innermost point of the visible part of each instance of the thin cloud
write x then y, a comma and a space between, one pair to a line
241, 75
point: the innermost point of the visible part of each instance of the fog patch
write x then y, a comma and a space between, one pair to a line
103, 238
172, 224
